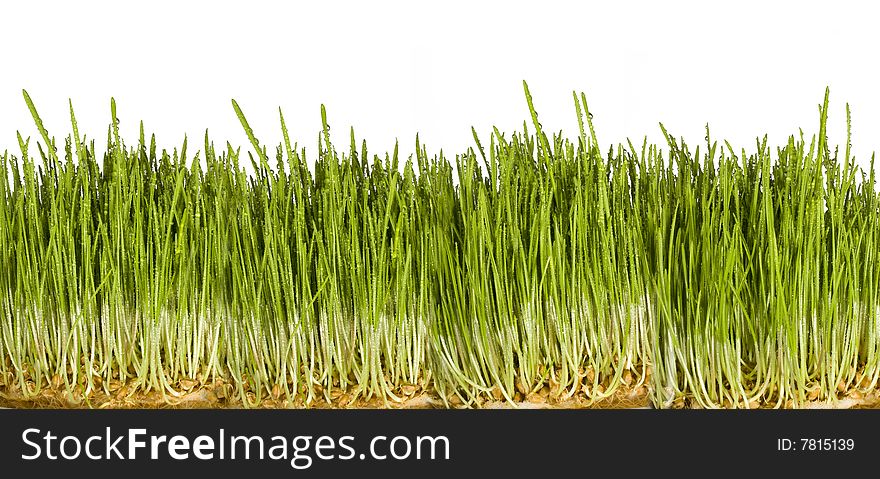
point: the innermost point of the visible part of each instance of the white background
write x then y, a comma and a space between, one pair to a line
391, 69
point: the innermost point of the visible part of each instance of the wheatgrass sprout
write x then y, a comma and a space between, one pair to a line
530, 268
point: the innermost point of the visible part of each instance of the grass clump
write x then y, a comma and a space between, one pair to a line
534, 267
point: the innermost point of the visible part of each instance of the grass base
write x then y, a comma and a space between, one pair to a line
217, 395
206, 397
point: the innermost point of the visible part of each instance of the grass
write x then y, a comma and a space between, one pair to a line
529, 264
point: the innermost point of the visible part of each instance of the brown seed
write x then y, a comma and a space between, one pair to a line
520, 386
638, 392
276, 391
187, 384
454, 400
73, 400
536, 398
814, 394
627, 377
56, 381
841, 387
497, 393
408, 389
